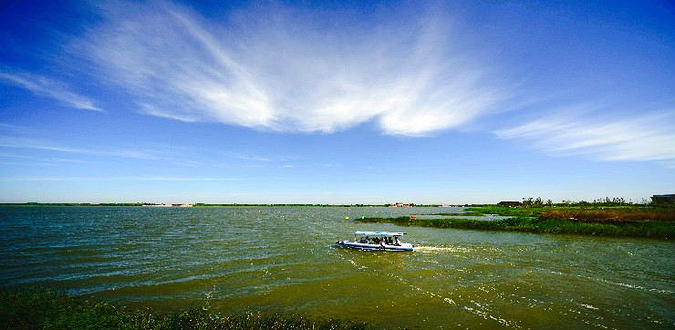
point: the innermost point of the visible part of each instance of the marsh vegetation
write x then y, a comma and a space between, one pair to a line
603, 218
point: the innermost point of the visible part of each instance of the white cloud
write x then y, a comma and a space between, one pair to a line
637, 138
153, 111
46, 87
282, 69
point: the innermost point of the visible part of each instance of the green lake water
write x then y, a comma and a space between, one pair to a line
231, 260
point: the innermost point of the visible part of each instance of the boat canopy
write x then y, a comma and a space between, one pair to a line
378, 233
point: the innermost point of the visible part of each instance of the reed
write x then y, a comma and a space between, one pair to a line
542, 225
583, 213
612, 215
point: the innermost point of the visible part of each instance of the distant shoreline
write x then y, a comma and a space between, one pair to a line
226, 205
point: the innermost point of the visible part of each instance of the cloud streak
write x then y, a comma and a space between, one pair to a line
639, 138
283, 70
46, 87
24, 143
122, 178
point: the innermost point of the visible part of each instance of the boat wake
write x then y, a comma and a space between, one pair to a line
430, 249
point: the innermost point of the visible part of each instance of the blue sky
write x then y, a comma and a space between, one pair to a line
341, 102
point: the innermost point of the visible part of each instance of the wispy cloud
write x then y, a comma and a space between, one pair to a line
251, 157
163, 155
283, 69
27, 143
121, 178
66, 160
11, 155
10, 126
50, 88
151, 110
629, 138
42, 161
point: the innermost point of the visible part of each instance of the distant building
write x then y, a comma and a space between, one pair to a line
663, 199
509, 203
170, 205
401, 204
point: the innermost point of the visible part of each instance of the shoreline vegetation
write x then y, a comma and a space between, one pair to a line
627, 220
42, 308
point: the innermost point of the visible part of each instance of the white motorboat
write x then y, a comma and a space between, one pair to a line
377, 241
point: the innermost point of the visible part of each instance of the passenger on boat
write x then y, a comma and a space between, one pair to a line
396, 242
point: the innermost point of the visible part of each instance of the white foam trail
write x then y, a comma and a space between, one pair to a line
589, 306
357, 265
438, 248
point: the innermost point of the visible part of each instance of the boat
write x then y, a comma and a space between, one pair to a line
377, 241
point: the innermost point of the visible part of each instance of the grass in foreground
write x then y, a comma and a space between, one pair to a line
49, 309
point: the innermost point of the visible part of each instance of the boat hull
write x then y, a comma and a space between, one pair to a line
376, 247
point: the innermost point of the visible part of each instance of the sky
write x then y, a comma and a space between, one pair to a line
336, 102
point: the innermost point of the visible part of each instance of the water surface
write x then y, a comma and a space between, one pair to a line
232, 260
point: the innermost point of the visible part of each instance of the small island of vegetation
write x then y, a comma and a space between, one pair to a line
603, 217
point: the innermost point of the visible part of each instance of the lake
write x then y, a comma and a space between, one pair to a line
232, 260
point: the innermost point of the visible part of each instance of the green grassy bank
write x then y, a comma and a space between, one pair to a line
619, 221
49, 309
